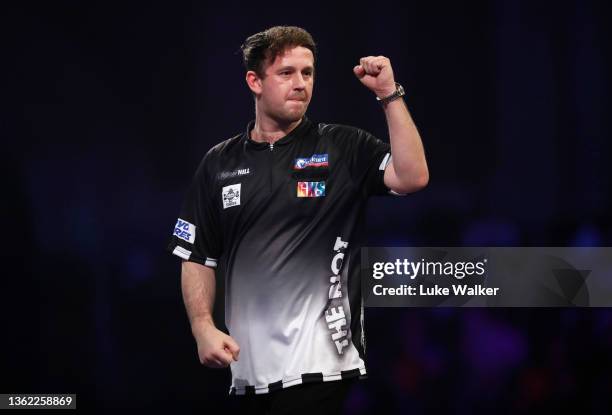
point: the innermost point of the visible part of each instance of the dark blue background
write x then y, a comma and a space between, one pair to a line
108, 108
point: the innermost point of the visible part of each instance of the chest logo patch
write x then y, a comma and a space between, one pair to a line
231, 195
310, 189
231, 174
316, 160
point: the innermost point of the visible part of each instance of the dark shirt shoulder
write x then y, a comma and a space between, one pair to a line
347, 136
214, 157
225, 147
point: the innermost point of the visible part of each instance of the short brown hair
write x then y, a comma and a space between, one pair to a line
267, 45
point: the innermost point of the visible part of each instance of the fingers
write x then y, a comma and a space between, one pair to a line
217, 359
232, 347
221, 353
372, 65
359, 71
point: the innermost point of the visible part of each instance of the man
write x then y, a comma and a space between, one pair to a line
278, 210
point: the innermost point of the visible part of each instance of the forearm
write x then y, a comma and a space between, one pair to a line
198, 287
408, 156
215, 348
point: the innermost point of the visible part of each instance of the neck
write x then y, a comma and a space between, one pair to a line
269, 130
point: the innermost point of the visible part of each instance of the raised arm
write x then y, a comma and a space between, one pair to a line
407, 171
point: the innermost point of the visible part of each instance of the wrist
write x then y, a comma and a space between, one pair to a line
398, 92
203, 322
385, 92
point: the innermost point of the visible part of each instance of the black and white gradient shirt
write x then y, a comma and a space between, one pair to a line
283, 224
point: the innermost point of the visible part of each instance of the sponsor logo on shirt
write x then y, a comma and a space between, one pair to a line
185, 230
231, 195
316, 160
335, 316
310, 189
230, 174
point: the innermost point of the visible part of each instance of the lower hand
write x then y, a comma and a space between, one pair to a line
215, 348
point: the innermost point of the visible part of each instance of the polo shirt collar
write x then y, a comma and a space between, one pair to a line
297, 132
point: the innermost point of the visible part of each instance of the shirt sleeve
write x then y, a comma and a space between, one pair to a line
370, 158
196, 235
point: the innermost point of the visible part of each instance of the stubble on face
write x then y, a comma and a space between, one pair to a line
288, 84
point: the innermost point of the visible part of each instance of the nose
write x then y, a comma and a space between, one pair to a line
299, 82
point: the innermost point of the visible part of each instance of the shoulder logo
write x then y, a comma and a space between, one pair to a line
231, 195
316, 160
185, 230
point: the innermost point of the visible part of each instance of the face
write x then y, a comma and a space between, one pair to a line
285, 92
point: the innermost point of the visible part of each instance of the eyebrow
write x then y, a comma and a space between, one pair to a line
284, 68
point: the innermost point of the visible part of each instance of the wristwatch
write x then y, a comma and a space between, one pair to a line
399, 92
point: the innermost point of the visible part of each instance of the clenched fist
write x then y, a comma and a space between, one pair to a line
376, 73
215, 348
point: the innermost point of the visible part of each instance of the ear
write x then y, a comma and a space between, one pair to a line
254, 82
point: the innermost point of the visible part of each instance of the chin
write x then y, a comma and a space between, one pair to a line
292, 116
